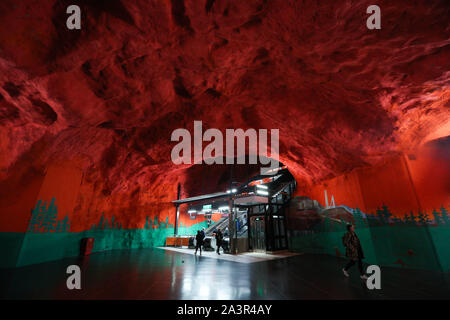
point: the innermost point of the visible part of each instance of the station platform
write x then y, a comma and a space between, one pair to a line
246, 257
173, 274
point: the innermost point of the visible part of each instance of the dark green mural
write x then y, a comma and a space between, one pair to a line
414, 241
149, 224
104, 224
48, 238
417, 240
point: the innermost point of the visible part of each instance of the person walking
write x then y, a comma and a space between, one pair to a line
353, 251
199, 239
219, 237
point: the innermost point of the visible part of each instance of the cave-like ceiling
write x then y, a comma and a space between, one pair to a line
110, 95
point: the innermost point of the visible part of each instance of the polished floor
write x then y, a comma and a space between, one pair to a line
163, 274
246, 257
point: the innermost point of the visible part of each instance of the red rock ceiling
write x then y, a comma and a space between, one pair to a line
108, 97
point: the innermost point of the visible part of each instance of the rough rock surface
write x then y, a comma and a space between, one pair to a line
109, 95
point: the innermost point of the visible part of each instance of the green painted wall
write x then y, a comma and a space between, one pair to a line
395, 242
42, 247
29, 248
49, 239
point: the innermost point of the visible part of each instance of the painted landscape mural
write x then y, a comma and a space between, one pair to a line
48, 236
412, 241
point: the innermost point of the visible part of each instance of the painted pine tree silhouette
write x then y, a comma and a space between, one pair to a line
437, 218
65, 225
412, 218
101, 223
423, 218
147, 225
406, 219
34, 224
118, 226
380, 216
49, 218
359, 220
58, 227
445, 216
386, 214
161, 224
107, 225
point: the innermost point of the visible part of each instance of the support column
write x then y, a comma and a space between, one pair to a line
231, 215
177, 216
231, 226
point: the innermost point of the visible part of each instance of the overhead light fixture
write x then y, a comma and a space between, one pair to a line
192, 211
261, 192
224, 208
261, 186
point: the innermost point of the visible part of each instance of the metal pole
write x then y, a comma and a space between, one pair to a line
176, 220
231, 214
177, 216
235, 231
230, 225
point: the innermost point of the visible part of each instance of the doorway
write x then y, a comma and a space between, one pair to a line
258, 232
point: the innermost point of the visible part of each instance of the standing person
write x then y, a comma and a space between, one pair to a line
219, 237
353, 251
199, 237
204, 233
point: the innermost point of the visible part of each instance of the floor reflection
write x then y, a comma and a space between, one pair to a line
159, 274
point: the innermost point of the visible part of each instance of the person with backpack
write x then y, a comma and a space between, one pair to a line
353, 251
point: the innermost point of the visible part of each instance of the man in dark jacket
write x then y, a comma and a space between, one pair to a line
219, 237
199, 239
353, 251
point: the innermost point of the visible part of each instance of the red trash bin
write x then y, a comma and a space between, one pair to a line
86, 246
